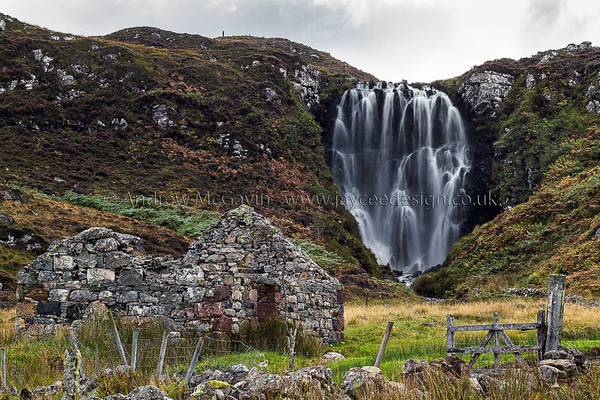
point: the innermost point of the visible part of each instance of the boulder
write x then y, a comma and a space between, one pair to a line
333, 356
567, 368
147, 393
369, 382
450, 366
551, 374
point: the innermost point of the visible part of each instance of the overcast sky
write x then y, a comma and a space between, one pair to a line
418, 40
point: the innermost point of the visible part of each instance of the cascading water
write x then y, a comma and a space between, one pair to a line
399, 156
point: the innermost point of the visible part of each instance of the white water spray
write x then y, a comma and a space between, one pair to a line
400, 157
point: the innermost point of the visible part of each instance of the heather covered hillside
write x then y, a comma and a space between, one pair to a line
535, 126
204, 124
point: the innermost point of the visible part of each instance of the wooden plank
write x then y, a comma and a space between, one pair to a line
541, 333
490, 327
194, 361
510, 343
118, 341
134, 349
495, 322
483, 349
449, 331
555, 312
3, 362
75, 341
483, 345
383, 345
161, 356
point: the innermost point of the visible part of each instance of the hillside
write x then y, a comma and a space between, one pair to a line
155, 133
123, 122
535, 133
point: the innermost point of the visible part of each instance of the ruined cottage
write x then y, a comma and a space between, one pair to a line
242, 269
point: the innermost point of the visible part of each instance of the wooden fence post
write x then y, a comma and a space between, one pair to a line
555, 312
449, 332
118, 341
161, 356
384, 341
194, 361
541, 333
495, 322
3, 361
134, 349
75, 342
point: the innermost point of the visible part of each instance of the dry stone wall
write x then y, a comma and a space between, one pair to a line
241, 270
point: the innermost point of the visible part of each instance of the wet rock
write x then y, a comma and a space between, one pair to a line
484, 92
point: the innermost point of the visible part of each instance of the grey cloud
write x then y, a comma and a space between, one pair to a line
420, 40
545, 11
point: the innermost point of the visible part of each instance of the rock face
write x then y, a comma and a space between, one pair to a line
242, 269
306, 81
484, 92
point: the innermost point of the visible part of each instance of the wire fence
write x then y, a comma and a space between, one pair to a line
178, 353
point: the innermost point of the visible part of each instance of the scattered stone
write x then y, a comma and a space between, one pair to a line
593, 106
525, 292
45, 60
6, 219
272, 96
64, 78
333, 356
160, 116
119, 124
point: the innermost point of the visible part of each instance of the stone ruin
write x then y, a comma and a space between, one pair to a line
242, 269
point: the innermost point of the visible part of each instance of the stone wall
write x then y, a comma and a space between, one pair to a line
242, 269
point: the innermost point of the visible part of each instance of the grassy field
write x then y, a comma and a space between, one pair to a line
419, 332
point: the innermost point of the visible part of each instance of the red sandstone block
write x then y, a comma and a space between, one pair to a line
208, 309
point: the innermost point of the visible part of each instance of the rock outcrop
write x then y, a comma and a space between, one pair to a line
483, 92
242, 269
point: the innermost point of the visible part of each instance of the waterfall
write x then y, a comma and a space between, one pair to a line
400, 156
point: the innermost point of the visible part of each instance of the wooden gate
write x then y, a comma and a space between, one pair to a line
496, 340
